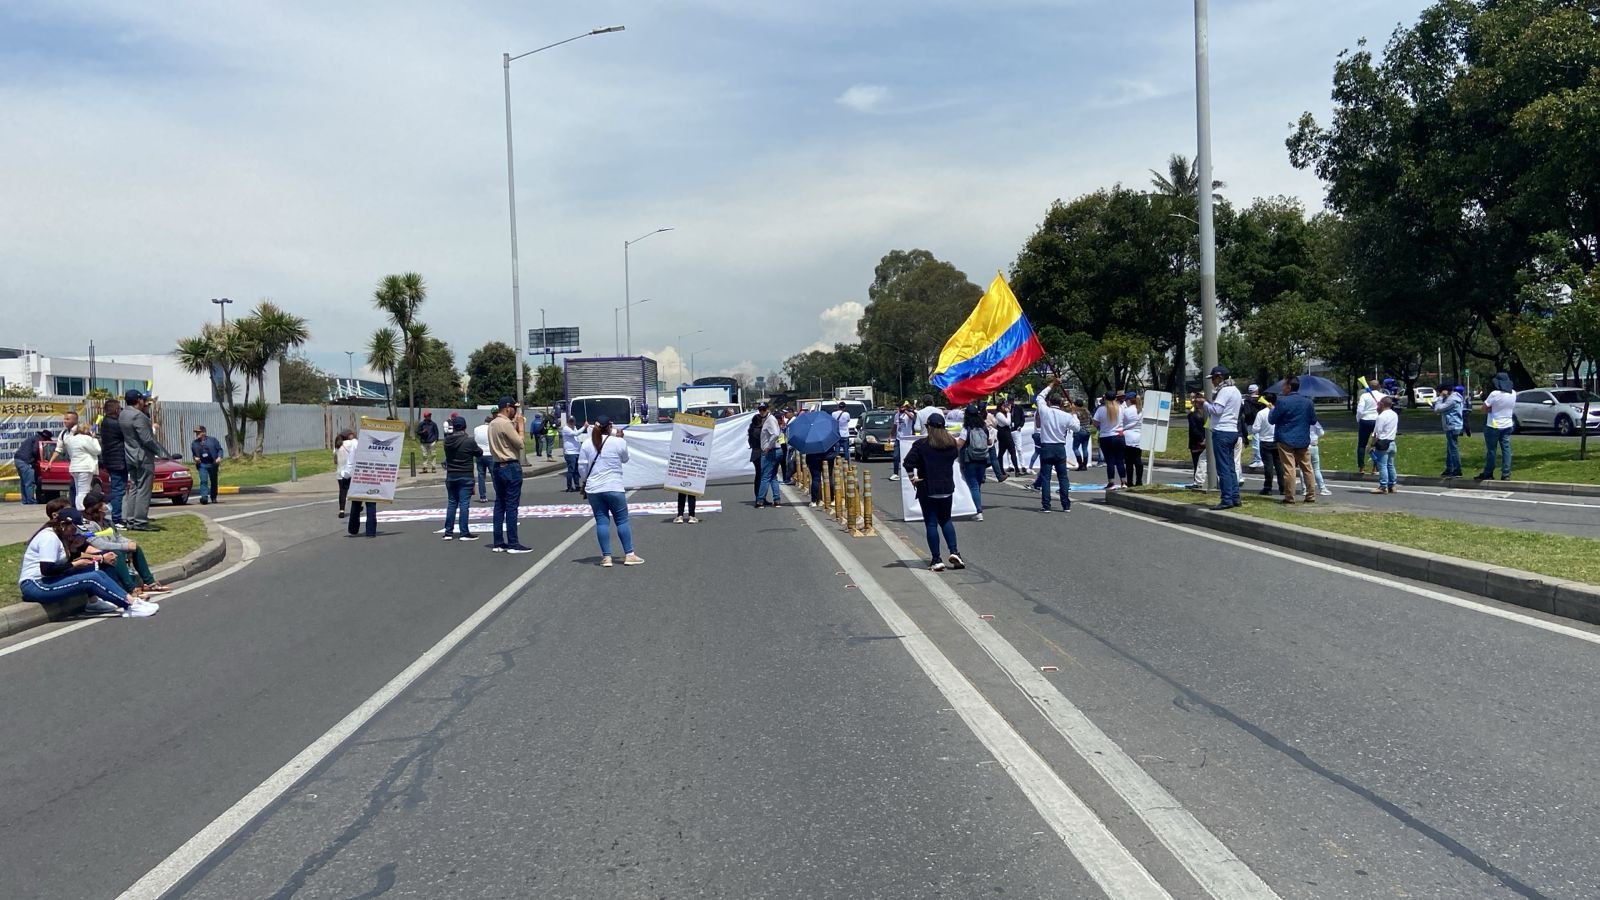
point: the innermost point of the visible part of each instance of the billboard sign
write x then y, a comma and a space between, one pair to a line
553, 340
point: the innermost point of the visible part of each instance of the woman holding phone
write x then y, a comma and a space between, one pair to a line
600, 478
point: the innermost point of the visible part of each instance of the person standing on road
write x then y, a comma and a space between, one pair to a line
571, 446
83, 462
1466, 411
357, 507
1080, 434
600, 468
1451, 408
841, 419
460, 461
552, 433
27, 463
428, 437
536, 428
344, 449
1366, 421
142, 450
974, 447
207, 455
1197, 440
506, 442
771, 446
1006, 437
485, 461
114, 456
1108, 421
931, 464
1500, 407
1385, 434
1292, 418
1224, 412
1054, 425
1132, 430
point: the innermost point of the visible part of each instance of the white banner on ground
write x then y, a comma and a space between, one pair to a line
546, 511
376, 466
960, 505
650, 449
689, 455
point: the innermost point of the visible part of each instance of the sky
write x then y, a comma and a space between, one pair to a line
160, 153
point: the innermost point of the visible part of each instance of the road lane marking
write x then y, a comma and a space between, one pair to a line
1107, 860
262, 512
197, 849
1218, 870
251, 549
1383, 580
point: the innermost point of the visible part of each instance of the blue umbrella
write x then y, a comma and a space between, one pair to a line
1312, 386
813, 431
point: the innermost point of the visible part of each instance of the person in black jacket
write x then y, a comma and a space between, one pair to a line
114, 456
428, 437
460, 459
932, 466
27, 463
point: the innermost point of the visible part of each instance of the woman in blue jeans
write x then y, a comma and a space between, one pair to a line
931, 465
600, 473
972, 465
51, 571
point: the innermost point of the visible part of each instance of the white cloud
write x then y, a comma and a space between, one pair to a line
839, 322
864, 98
672, 367
746, 367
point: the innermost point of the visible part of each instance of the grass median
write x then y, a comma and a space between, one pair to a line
273, 468
1555, 555
179, 536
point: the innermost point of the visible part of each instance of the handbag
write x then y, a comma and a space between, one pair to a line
1382, 445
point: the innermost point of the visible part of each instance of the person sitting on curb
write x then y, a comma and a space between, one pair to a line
129, 563
51, 571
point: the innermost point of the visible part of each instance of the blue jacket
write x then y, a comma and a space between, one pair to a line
205, 450
1450, 408
1292, 417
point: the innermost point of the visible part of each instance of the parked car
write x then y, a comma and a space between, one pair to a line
1556, 409
1424, 396
876, 434
172, 479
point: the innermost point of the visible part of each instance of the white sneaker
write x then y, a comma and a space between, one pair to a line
632, 560
978, 517
694, 520
894, 477
937, 566
1325, 492
605, 562
677, 520
139, 609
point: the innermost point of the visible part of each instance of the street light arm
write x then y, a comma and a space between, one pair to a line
591, 33
643, 236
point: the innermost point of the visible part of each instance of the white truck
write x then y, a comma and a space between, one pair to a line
862, 393
622, 388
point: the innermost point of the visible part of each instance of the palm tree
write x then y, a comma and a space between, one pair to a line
219, 353
1180, 189
402, 296
1182, 181
383, 354
274, 333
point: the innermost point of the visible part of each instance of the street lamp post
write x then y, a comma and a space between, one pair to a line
616, 329
679, 348
627, 286
222, 307
1208, 236
691, 360
511, 197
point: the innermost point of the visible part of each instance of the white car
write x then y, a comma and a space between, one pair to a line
1424, 396
1556, 409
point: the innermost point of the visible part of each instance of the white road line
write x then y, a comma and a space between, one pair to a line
1217, 869
262, 512
182, 861
1384, 580
252, 550
1102, 855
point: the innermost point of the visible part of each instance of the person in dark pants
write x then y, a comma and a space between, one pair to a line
207, 455
356, 506
1197, 440
480, 436
506, 439
1224, 412
27, 463
343, 452
428, 437
1055, 426
460, 458
1267, 440
114, 456
931, 463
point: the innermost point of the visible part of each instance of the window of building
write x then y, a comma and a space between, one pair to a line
70, 387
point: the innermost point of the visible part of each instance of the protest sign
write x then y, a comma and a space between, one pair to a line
689, 458
22, 419
376, 465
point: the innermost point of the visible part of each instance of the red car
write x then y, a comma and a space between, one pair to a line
172, 478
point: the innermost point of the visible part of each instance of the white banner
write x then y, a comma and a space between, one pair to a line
547, 511
689, 456
22, 420
650, 449
376, 466
960, 504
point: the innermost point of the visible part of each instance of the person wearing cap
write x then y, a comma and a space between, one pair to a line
207, 455
771, 457
1451, 408
1366, 422
428, 436
1252, 409
51, 571
600, 468
505, 442
1132, 428
1054, 424
460, 460
1224, 409
1500, 410
142, 450
931, 466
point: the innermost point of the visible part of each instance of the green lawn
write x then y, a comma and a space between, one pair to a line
1532, 458
273, 468
1555, 555
179, 536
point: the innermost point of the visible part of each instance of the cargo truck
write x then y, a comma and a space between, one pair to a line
623, 388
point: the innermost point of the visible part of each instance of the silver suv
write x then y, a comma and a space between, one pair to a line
1556, 409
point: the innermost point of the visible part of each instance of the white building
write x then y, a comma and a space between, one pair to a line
71, 377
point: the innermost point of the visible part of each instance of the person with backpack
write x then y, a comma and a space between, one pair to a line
974, 447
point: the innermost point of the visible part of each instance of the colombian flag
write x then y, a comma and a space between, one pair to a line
994, 345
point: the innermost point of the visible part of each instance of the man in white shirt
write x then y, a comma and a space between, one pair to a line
1384, 432
1224, 412
480, 435
841, 419
905, 426
928, 409
1054, 424
1366, 421
1252, 402
1500, 407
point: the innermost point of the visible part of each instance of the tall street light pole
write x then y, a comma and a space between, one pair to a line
627, 287
616, 329
691, 360
511, 199
222, 307
1208, 235
678, 347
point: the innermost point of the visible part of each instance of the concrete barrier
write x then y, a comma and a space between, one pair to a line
1530, 590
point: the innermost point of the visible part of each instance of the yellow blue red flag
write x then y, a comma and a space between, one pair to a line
994, 345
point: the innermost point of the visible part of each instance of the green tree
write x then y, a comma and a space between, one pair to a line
16, 391
492, 373
548, 387
401, 297
433, 380
817, 372
383, 357
270, 334
221, 354
301, 381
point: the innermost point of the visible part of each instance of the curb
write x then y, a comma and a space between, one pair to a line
1529, 590
22, 615
1559, 488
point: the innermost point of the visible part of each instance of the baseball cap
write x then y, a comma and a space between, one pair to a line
1255, 388
134, 395
458, 423
936, 420
1131, 395
1219, 372
1388, 382
602, 421
507, 401
1461, 389
761, 405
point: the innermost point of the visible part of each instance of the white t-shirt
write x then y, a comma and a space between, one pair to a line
905, 424
1224, 410
1367, 405
44, 547
922, 418
1132, 424
1388, 427
841, 419
346, 456
1501, 406
1103, 423
1054, 425
1264, 430
603, 470
480, 436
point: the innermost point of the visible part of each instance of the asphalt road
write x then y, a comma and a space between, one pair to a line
770, 709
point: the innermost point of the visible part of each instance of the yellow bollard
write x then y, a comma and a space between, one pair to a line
853, 526
827, 495
838, 492
866, 506
849, 502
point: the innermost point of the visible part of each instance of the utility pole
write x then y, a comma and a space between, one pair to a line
1208, 235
